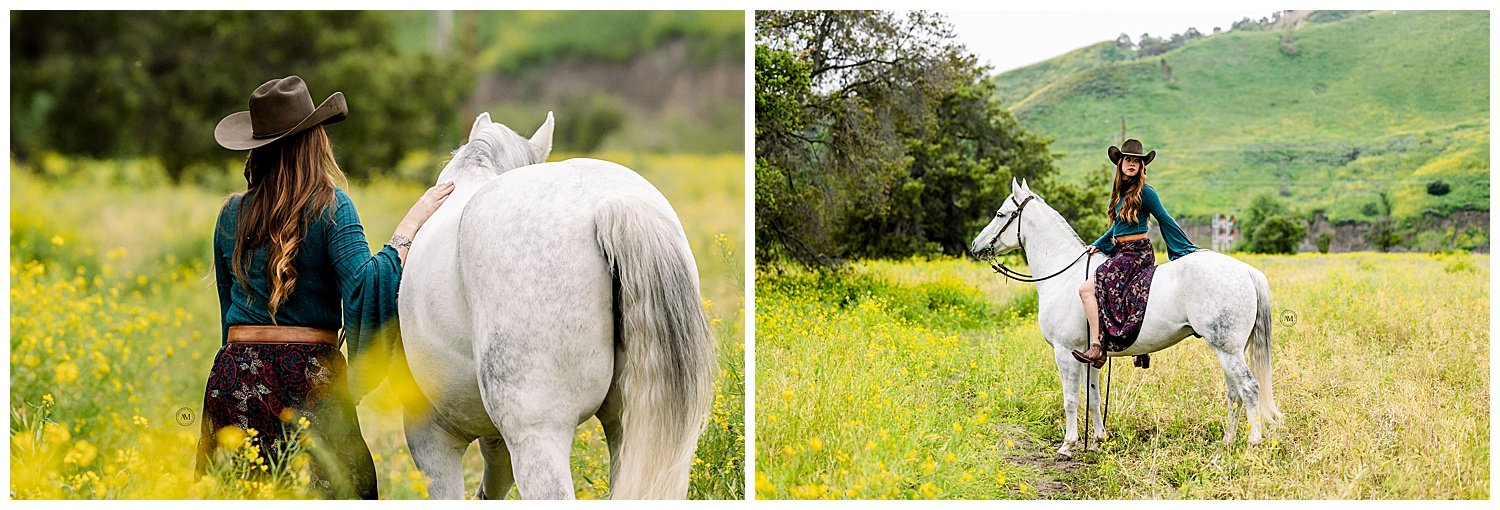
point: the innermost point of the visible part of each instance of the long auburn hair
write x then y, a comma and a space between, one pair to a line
1127, 190
288, 182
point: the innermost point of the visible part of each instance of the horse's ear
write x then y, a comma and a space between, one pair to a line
481, 121
1025, 187
542, 140
1014, 188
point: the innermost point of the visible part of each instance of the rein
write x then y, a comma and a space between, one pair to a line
1001, 268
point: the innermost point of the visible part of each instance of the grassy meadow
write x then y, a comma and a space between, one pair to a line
930, 379
114, 318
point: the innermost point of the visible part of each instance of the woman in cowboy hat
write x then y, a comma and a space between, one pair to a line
293, 267
1114, 300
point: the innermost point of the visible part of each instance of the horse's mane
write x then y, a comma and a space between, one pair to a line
498, 149
1060, 217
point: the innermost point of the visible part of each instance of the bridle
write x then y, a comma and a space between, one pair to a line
1000, 267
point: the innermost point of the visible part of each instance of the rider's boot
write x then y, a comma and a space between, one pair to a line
1095, 355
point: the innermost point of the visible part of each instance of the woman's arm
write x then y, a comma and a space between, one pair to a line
1106, 242
418, 215
368, 284
223, 279
1177, 240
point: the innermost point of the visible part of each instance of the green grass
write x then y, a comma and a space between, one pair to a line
114, 317
930, 379
1330, 128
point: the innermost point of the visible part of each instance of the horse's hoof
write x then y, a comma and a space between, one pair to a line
1094, 446
1255, 438
1065, 452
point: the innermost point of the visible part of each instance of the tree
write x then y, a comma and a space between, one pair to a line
1324, 240
1382, 234
1262, 208
143, 83
876, 136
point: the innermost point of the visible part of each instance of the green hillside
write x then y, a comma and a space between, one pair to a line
1327, 115
1018, 85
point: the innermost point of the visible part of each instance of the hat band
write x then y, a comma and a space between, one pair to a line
270, 135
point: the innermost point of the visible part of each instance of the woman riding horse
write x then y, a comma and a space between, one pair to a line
292, 266
1123, 283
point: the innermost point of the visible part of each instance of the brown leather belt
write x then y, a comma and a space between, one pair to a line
1129, 238
282, 335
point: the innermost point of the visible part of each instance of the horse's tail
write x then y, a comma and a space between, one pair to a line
1258, 349
669, 353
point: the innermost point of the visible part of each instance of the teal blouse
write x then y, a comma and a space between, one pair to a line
339, 284
1177, 241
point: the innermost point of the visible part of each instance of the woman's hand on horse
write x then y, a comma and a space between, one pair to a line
428, 204
1091, 249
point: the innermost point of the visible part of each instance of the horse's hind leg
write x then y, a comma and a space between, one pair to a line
611, 418
1241, 386
539, 458
439, 455
1232, 422
497, 473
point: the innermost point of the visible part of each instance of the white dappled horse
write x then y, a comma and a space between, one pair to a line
539, 295
1216, 296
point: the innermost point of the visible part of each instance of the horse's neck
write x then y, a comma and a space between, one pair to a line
468, 183
1050, 245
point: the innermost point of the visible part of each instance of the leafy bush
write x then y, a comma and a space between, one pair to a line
1438, 188
1278, 234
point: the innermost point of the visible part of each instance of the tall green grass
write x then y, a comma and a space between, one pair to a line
930, 379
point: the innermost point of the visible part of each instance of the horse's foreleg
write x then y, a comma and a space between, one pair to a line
1096, 414
1068, 369
439, 455
498, 477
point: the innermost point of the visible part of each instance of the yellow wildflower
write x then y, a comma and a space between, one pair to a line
65, 372
82, 453
230, 437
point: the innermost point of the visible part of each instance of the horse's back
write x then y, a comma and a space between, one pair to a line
1207, 293
538, 284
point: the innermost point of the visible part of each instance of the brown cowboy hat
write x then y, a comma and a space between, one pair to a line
1131, 147
278, 108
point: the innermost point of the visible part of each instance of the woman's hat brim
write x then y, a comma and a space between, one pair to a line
1115, 154
235, 133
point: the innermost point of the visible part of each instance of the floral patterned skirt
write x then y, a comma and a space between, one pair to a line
1122, 285
271, 388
